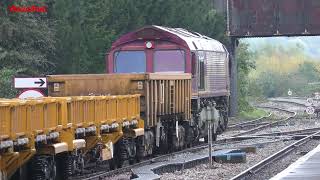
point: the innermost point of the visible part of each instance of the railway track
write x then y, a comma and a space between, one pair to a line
274, 157
304, 136
281, 139
268, 124
250, 123
104, 174
236, 139
298, 102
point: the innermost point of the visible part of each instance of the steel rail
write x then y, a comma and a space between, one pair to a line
103, 174
290, 102
259, 166
271, 124
248, 126
248, 122
310, 130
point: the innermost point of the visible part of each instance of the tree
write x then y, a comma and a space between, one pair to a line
86, 28
245, 65
26, 45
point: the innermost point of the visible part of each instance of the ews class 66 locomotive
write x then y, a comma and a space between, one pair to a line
157, 49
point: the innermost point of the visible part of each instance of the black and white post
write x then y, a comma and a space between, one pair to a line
209, 120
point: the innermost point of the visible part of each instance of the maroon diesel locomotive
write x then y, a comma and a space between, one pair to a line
158, 49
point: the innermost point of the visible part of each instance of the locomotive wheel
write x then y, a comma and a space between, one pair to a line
122, 153
67, 165
221, 126
132, 161
224, 123
140, 148
189, 135
43, 168
112, 164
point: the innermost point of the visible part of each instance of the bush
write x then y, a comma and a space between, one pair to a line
6, 83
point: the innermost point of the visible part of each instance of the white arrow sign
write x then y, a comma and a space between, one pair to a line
21, 83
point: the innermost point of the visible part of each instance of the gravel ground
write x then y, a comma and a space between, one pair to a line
300, 109
226, 171
124, 176
293, 124
263, 143
277, 115
276, 167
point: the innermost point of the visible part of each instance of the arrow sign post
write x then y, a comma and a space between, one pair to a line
23, 83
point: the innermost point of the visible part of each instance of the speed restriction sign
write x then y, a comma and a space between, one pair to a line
310, 110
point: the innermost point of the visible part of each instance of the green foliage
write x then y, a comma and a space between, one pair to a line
26, 46
6, 89
86, 28
26, 42
278, 72
253, 114
74, 35
245, 65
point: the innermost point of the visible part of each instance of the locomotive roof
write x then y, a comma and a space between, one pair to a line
193, 40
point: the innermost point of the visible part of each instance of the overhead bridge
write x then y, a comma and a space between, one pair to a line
266, 18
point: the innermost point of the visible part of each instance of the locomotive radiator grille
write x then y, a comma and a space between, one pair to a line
167, 97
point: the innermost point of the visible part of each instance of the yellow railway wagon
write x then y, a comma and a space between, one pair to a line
37, 130
161, 94
165, 104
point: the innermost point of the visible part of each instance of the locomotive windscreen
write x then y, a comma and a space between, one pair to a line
169, 61
130, 62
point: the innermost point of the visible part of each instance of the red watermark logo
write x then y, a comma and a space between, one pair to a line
27, 9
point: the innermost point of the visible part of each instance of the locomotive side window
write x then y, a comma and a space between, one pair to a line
169, 60
193, 64
129, 62
201, 70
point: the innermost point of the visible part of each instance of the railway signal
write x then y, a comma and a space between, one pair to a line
289, 93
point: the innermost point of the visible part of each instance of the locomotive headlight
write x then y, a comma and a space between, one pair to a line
149, 44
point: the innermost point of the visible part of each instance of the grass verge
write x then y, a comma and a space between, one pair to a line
254, 114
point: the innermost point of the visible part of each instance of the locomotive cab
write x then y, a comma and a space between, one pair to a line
158, 49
